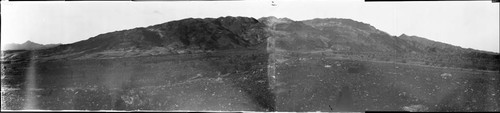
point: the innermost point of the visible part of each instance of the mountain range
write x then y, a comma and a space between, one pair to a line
28, 45
201, 35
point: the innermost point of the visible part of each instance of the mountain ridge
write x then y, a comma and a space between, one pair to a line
204, 35
191, 35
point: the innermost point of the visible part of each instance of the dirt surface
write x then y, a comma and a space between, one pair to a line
201, 82
243, 81
329, 84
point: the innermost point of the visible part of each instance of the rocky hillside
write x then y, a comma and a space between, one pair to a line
190, 35
363, 40
196, 35
347, 35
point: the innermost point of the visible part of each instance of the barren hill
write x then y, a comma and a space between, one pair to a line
197, 35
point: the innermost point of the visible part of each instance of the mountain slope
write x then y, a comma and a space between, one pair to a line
363, 40
196, 35
347, 35
176, 37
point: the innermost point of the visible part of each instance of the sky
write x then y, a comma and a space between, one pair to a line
469, 24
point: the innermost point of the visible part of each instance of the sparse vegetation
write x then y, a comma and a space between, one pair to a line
222, 64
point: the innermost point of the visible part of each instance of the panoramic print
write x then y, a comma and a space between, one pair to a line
285, 56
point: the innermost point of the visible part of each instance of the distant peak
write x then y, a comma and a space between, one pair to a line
29, 42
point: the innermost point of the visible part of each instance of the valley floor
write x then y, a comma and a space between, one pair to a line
242, 82
332, 84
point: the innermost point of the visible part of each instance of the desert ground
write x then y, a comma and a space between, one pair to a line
241, 81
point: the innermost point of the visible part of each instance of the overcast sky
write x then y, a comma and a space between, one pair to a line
471, 24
